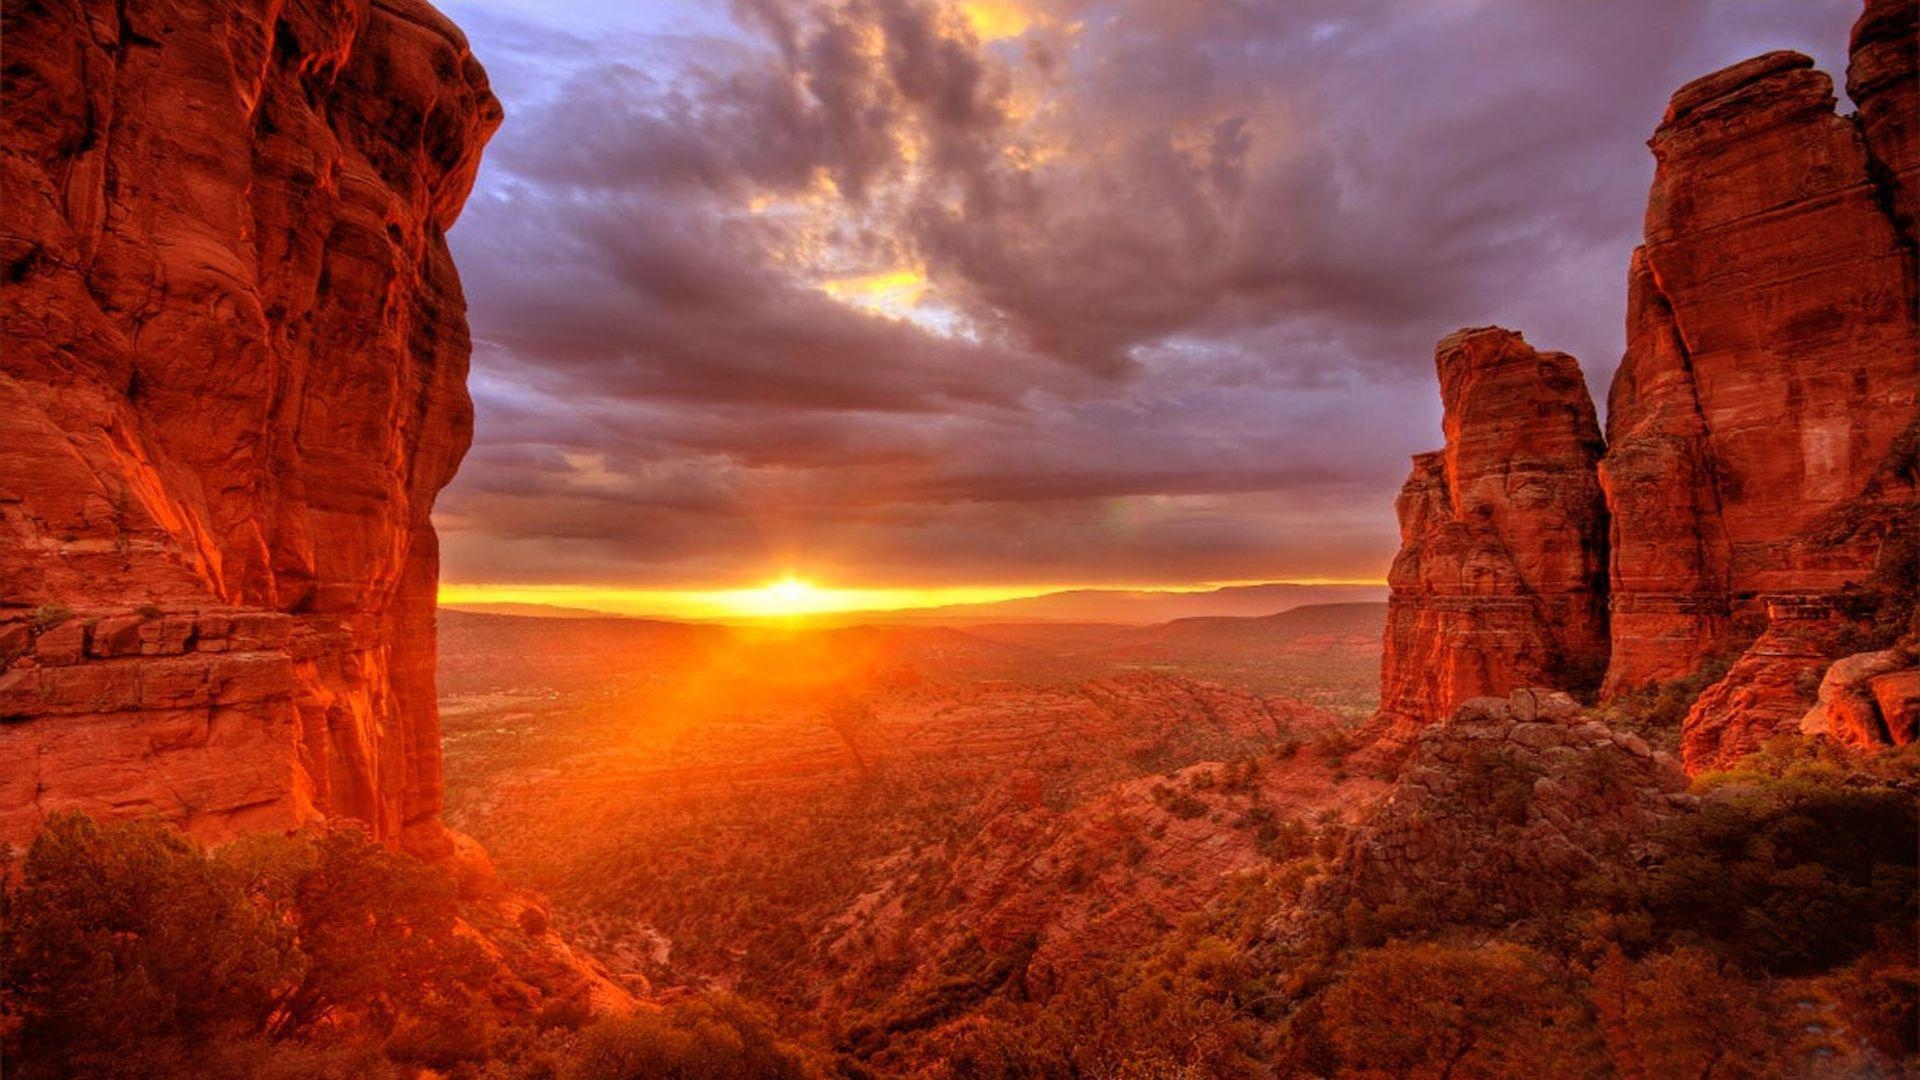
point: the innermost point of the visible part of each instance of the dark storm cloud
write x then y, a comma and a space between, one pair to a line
1145, 291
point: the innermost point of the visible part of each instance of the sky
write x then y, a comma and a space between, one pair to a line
959, 299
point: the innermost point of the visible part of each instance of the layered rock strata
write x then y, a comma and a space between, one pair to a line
1868, 699
1762, 466
233, 354
1769, 374
1501, 576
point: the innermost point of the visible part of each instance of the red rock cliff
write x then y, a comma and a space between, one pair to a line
233, 380
1770, 367
1500, 580
1762, 446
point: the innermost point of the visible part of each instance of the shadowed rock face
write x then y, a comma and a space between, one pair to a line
234, 380
1500, 580
1883, 79
1762, 444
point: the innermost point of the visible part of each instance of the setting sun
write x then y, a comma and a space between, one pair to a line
788, 596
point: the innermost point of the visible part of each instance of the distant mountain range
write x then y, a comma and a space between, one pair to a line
1132, 607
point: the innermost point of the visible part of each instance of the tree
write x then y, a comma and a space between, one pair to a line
718, 1038
125, 946
1682, 1015
379, 930
127, 951
1790, 875
1428, 1010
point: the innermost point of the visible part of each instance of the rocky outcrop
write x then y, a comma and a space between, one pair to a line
1769, 373
233, 380
1500, 580
1883, 79
1503, 808
1767, 689
1762, 466
1868, 699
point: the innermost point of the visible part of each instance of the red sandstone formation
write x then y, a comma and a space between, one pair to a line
234, 353
1770, 367
1500, 580
1762, 428
1502, 808
1883, 79
1763, 449
1868, 699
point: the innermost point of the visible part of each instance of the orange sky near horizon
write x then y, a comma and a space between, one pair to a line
788, 596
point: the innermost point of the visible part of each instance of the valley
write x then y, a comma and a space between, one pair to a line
841, 820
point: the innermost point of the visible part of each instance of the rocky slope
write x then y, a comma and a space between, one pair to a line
235, 360
1760, 464
1503, 808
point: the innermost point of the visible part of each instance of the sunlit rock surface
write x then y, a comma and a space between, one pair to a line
1762, 446
1500, 579
235, 354
1770, 369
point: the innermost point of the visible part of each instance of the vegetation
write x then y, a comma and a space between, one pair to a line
1654, 712
721, 1038
47, 616
127, 951
1775, 938
1770, 932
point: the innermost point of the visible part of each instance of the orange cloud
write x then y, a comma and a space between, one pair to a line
997, 20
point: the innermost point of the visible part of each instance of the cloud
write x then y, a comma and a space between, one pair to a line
1018, 290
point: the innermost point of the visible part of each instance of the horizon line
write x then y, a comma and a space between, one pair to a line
789, 596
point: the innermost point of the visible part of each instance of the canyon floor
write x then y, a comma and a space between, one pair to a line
878, 827
1076, 849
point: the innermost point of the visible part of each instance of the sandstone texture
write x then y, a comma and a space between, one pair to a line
1501, 576
1770, 370
1868, 699
1504, 807
1883, 79
1761, 473
233, 353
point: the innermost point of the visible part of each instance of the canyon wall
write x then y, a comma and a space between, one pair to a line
233, 355
1760, 463
1501, 577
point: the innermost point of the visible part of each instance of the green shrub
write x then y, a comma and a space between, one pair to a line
126, 950
47, 616
1654, 712
1429, 1009
718, 1038
1788, 876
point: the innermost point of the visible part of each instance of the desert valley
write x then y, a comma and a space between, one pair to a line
1612, 771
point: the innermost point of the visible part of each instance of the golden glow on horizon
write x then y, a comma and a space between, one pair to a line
791, 597
786, 597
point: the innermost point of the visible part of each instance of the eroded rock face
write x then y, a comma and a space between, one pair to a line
1762, 468
1500, 579
1868, 699
1883, 79
235, 354
1770, 372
